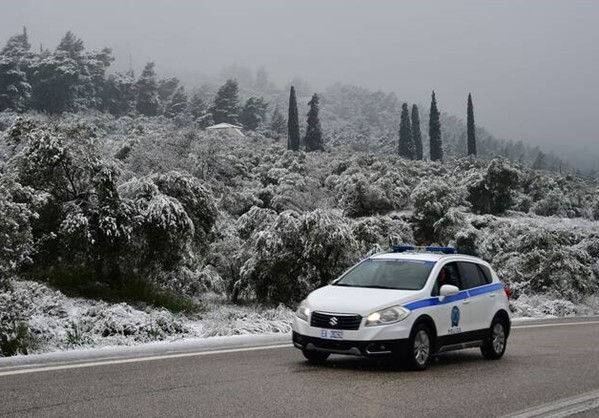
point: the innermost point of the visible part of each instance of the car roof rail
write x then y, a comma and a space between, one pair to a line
428, 249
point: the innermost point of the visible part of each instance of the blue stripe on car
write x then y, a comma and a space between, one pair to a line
464, 294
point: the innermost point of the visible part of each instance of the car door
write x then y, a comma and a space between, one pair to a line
451, 314
476, 283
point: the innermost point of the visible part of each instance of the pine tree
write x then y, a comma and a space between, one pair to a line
253, 113
119, 94
434, 132
278, 123
313, 138
147, 92
199, 110
471, 134
177, 104
15, 89
71, 45
166, 88
293, 131
226, 103
17, 45
416, 135
406, 143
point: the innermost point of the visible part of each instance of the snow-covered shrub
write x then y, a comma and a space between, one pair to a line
296, 254
15, 336
295, 191
542, 305
446, 228
496, 190
16, 237
195, 199
554, 203
466, 241
433, 200
162, 230
377, 233
256, 219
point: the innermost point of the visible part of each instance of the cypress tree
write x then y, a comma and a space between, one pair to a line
406, 144
434, 132
313, 138
471, 135
293, 132
416, 134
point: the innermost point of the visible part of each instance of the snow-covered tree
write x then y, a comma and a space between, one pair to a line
148, 101
434, 131
177, 104
15, 89
406, 142
471, 128
119, 94
226, 103
416, 134
278, 124
313, 139
293, 132
253, 113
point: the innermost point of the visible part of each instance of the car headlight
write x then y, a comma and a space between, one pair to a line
303, 312
387, 316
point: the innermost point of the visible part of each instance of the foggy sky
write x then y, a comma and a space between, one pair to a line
531, 65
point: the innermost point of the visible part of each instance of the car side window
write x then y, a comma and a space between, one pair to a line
486, 272
447, 275
471, 275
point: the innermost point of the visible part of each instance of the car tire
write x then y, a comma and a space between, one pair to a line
494, 346
315, 356
420, 348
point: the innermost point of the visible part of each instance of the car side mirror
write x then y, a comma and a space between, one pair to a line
448, 290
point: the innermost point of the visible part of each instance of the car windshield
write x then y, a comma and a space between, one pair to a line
388, 274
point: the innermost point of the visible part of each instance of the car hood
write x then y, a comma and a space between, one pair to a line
358, 300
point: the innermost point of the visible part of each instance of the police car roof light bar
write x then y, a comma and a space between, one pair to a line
405, 248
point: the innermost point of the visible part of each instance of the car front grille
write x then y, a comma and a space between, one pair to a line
333, 321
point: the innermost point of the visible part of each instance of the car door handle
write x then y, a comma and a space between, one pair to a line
491, 295
466, 302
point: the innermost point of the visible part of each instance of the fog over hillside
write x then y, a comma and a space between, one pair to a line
529, 65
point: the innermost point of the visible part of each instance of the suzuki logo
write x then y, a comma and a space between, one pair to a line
333, 321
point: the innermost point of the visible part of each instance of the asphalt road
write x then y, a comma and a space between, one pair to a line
544, 364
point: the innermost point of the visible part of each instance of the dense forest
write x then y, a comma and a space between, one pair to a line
111, 188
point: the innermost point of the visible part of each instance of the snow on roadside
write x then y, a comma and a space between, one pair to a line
61, 323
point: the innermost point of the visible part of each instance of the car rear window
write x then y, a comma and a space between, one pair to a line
471, 275
388, 274
486, 273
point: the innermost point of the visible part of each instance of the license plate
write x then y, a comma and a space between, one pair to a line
331, 334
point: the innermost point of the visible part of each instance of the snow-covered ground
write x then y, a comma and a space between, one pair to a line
60, 323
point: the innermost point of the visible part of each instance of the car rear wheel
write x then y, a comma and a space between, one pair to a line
418, 354
315, 356
494, 347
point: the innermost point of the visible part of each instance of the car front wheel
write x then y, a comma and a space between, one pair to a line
418, 354
494, 347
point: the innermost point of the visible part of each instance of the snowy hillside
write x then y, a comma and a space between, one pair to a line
183, 233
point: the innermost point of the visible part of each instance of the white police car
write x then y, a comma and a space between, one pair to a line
410, 303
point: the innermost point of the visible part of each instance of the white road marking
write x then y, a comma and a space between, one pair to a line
557, 324
562, 408
138, 359
106, 362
